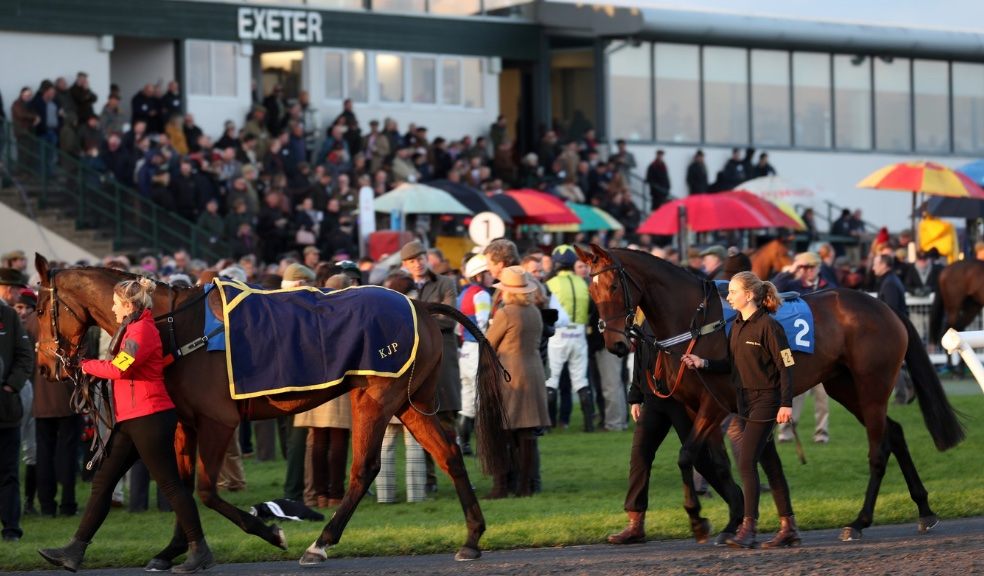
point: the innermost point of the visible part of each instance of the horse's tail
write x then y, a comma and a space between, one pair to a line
936, 318
490, 419
940, 417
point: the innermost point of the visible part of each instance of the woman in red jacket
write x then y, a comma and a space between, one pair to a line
145, 426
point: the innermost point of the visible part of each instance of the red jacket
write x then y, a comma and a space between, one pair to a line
137, 371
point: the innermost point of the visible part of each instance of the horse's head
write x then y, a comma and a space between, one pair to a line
62, 323
615, 294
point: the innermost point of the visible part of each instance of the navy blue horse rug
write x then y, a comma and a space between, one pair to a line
304, 338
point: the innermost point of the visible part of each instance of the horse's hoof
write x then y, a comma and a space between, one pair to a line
313, 556
723, 537
467, 553
850, 533
927, 523
281, 537
158, 565
702, 530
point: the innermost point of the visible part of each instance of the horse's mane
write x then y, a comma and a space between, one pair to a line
677, 273
122, 274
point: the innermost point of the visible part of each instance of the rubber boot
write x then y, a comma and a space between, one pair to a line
587, 408
525, 458
465, 427
788, 534
552, 406
199, 558
634, 533
69, 557
745, 538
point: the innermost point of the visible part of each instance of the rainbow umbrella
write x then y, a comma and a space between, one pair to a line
534, 207
592, 219
926, 177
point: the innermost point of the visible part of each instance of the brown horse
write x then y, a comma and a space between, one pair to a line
73, 299
858, 365
959, 299
770, 259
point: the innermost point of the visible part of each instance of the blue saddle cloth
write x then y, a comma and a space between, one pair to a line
795, 317
304, 338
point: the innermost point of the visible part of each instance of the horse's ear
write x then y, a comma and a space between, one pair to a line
599, 252
41, 264
584, 255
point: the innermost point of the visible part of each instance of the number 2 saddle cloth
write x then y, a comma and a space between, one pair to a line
305, 338
795, 317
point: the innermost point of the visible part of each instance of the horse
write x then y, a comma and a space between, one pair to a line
71, 300
857, 365
959, 299
770, 259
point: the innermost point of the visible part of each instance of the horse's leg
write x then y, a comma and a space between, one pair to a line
689, 454
443, 448
369, 420
185, 439
214, 438
713, 464
917, 491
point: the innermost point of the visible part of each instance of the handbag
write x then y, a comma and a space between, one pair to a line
304, 237
11, 409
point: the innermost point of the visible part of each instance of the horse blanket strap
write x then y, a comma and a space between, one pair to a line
198, 342
305, 338
693, 335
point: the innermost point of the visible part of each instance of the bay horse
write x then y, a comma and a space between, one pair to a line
959, 299
769, 259
73, 299
857, 363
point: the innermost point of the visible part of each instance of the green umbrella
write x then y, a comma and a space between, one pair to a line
592, 219
419, 199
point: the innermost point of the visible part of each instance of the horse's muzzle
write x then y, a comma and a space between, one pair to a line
620, 349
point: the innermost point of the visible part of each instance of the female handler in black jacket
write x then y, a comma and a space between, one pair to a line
761, 364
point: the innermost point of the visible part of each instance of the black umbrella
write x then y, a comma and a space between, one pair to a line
472, 198
969, 208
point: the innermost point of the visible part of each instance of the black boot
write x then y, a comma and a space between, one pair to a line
745, 538
30, 489
465, 427
552, 406
587, 408
526, 455
199, 558
68, 557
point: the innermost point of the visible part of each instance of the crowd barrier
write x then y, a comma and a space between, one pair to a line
920, 308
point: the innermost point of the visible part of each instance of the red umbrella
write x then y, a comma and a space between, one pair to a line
707, 212
774, 212
535, 207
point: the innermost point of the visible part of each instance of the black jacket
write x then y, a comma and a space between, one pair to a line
759, 356
891, 292
16, 357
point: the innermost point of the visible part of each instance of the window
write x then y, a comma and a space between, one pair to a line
630, 71
811, 100
334, 76
474, 86
893, 104
423, 80
852, 102
455, 7
931, 81
357, 76
451, 82
677, 93
344, 4
389, 76
725, 95
770, 98
968, 107
399, 5
211, 68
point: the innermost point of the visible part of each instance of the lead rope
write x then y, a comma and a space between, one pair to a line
437, 397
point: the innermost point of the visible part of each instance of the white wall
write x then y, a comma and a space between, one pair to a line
30, 58
211, 111
20, 233
136, 61
832, 175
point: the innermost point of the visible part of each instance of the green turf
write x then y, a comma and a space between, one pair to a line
584, 481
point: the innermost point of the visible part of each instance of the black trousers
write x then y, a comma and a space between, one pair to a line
10, 502
759, 409
658, 416
329, 450
58, 448
150, 438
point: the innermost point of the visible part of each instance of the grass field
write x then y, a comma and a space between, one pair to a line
584, 481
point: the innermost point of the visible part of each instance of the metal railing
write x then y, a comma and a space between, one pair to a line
96, 200
920, 308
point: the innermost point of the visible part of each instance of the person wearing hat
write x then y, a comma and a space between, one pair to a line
712, 260
569, 345
515, 336
802, 276
16, 367
694, 264
15, 259
312, 255
434, 288
475, 301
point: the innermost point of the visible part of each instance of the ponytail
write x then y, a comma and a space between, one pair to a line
139, 292
764, 293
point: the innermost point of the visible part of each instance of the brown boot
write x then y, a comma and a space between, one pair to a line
745, 538
634, 533
788, 534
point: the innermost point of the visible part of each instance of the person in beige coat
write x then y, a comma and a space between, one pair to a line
514, 332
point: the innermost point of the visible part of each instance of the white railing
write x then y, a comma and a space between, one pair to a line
920, 308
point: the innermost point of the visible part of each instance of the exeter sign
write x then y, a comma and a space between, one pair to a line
274, 25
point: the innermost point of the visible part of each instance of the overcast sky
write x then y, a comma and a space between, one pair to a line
966, 15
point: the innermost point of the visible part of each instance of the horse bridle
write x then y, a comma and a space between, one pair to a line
69, 362
631, 330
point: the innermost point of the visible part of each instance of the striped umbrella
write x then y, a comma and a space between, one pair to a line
592, 219
534, 207
926, 177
